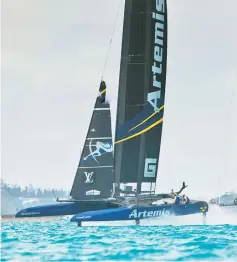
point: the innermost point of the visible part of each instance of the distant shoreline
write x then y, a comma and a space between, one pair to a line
33, 192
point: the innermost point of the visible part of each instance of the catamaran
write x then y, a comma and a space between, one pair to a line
117, 181
140, 110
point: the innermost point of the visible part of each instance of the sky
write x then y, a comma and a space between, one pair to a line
53, 54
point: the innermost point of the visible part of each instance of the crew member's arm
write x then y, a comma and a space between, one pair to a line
182, 188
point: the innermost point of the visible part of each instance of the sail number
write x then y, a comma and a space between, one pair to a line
150, 167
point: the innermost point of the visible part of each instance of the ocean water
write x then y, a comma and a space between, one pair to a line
172, 240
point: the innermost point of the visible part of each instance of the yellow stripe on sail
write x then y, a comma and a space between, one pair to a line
162, 107
102, 92
141, 132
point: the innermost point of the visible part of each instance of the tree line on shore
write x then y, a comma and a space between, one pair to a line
33, 192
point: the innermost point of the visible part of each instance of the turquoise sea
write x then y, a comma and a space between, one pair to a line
64, 241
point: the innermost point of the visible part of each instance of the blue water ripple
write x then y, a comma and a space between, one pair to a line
64, 241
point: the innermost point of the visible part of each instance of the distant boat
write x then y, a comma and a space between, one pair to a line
140, 110
226, 201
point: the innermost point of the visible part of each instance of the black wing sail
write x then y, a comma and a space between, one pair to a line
95, 174
141, 94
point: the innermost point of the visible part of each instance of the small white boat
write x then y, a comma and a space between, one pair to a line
226, 201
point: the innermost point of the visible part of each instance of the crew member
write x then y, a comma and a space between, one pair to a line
185, 200
177, 199
172, 193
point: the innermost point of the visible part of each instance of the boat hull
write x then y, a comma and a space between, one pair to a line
229, 208
62, 209
141, 212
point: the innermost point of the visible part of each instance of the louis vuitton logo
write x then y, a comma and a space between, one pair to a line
89, 177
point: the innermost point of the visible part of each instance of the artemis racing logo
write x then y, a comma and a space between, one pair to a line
100, 149
152, 213
153, 97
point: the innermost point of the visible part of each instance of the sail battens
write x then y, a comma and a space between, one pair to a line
89, 167
98, 109
98, 138
131, 63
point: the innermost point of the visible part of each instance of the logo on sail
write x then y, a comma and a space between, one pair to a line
100, 149
93, 193
158, 63
150, 167
89, 177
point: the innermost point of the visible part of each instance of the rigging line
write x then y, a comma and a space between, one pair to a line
232, 95
110, 43
229, 118
226, 126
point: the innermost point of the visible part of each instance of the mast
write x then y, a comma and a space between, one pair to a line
141, 94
